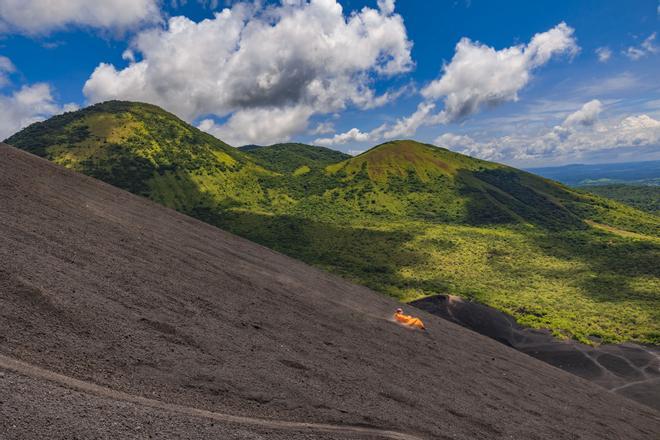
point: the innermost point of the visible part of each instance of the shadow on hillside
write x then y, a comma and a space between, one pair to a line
498, 196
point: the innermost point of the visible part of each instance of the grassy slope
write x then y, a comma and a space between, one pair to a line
405, 218
643, 197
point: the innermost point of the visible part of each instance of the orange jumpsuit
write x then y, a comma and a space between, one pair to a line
409, 321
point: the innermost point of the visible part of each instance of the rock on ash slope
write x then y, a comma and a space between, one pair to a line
110, 289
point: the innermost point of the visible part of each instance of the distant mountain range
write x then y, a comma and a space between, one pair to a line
641, 173
634, 183
405, 218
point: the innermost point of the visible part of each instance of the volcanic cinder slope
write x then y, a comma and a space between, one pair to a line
128, 319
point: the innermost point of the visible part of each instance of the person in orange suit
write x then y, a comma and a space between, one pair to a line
408, 320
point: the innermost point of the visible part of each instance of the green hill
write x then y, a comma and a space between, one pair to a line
405, 218
148, 151
293, 158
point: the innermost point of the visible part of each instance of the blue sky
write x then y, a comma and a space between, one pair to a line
526, 83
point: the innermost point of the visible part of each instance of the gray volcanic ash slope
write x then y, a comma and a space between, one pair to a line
118, 297
629, 369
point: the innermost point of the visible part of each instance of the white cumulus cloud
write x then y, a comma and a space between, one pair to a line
323, 128
408, 126
467, 145
352, 135
387, 6
581, 134
647, 47
604, 54
6, 68
297, 58
404, 127
29, 104
480, 75
259, 125
477, 76
587, 115
44, 16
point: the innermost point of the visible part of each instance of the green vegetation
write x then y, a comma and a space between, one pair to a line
404, 218
643, 197
288, 158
